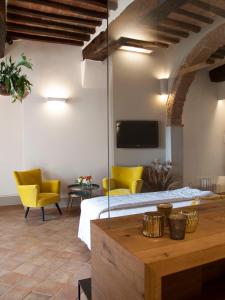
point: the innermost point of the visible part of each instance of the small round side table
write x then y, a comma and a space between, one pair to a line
80, 191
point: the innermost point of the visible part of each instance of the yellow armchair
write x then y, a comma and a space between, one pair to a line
34, 192
124, 181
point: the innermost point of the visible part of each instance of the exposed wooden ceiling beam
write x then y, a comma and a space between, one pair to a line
176, 32
88, 4
98, 49
27, 21
47, 32
42, 5
209, 7
221, 52
16, 35
150, 13
210, 61
204, 65
2, 28
181, 25
25, 12
218, 74
162, 11
163, 37
194, 16
99, 42
217, 55
113, 4
140, 43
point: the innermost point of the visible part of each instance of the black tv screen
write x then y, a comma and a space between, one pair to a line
137, 134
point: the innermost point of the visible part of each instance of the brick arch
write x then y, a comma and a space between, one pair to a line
199, 54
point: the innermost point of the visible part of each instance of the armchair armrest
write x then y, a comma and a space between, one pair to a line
50, 186
108, 184
136, 186
29, 194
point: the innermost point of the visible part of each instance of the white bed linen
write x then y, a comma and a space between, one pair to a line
96, 208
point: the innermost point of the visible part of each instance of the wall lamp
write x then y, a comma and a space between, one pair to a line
163, 89
54, 99
134, 45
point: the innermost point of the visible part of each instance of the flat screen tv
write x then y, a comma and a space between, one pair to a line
137, 134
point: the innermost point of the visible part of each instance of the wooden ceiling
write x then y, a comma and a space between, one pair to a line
58, 21
74, 21
167, 23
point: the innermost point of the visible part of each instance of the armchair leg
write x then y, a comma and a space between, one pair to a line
26, 212
43, 213
59, 210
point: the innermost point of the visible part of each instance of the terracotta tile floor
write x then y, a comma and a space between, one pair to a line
40, 260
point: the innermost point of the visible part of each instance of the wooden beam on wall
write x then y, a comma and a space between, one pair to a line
2, 27
99, 42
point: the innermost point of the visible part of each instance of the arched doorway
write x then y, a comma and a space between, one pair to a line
178, 92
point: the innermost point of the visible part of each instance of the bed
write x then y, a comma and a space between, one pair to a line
97, 208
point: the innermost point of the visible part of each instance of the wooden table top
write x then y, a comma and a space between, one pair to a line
205, 245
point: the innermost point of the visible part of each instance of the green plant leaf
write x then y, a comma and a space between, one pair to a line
17, 84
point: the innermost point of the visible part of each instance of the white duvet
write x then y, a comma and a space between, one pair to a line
96, 208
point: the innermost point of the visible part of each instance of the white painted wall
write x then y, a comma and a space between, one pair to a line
10, 143
65, 141
136, 97
204, 132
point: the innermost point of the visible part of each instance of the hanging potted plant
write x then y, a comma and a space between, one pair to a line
12, 82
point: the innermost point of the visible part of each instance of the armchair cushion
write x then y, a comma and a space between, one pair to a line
116, 192
47, 199
136, 186
108, 184
124, 176
125, 180
50, 186
28, 177
29, 194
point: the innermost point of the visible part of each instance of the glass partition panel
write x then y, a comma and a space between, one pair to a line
165, 109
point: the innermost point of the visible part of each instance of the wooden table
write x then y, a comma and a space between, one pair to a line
127, 265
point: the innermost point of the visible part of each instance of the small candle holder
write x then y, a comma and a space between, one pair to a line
165, 209
192, 219
153, 224
177, 224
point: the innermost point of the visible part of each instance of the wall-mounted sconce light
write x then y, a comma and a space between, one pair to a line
164, 89
135, 49
134, 45
54, 99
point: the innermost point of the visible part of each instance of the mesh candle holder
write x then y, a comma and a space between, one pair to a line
165, 209
153, 224
192, 219
177, 225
